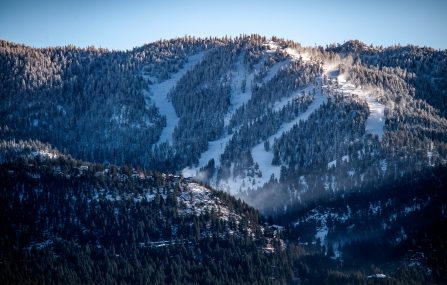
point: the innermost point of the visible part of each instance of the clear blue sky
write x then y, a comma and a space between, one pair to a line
126, 24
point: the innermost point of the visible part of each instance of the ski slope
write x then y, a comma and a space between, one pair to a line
215, 150
158, 94
274, 70
264, 158
260, 156
376, 119
239, 98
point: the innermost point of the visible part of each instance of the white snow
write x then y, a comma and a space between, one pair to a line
214, 151
278, 105
198, 199
48, 154
383, 165
238, 98
158, 94
332, 164
292, 52
274, 70
377, 275
316, 103
264, 158
376, 119
322, 232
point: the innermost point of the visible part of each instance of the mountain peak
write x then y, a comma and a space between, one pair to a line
353, 46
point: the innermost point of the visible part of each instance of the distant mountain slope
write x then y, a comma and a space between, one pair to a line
267, 120
343, 147
424, 68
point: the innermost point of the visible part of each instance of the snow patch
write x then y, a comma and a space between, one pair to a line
198, 200
44, 154
332, 164
278, 105
377, 275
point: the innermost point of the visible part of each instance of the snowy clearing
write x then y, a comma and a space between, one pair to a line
158, 94
214, 151
239, 98
377, 275
278, 105
264, 158
376, 119
274, 70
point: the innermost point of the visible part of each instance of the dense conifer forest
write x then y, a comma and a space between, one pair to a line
246, 160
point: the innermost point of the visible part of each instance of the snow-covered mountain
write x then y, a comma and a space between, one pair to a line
340, 144
264, 119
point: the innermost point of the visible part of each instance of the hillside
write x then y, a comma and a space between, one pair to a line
343, 149
239, 114
69, 221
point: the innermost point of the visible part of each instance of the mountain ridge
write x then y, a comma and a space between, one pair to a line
277, 125
218, 119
